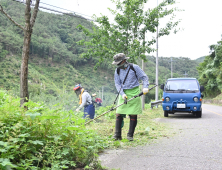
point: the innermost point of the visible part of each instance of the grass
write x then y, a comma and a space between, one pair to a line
215, 101
146, 131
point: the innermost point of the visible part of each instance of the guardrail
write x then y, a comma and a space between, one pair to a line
156, 103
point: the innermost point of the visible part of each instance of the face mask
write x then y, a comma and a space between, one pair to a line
124, 65
78, 92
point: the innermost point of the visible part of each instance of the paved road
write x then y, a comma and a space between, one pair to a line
197, 145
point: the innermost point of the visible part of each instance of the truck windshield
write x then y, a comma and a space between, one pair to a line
181, 85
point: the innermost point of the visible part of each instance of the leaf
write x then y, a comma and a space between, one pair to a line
49, 117
65, 151
6, 162
73, 128
36, 142
3, 150
3, 143
24, 135
33, 115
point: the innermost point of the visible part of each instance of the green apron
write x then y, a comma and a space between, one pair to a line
132, 107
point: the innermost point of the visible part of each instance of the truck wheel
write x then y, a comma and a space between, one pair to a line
165, 113
199, 114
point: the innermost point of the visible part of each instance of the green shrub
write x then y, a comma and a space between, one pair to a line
41, 138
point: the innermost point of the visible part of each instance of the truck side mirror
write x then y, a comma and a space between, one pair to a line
202, 95
162, 86
201, 88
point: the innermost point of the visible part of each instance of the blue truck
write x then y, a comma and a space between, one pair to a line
182, 95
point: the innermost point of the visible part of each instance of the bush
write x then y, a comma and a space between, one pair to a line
41, 138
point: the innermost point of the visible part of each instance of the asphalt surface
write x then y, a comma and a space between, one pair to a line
197, 145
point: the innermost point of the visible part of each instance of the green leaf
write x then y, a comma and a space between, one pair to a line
36, 142
6, 162
3, 150
24, 135
33, 115
3, 143
73, 127
49, 117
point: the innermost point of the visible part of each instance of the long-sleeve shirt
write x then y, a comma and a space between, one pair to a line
131, 80
86, 99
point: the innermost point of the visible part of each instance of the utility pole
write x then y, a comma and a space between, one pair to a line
102, 93
171, 61
143, 96
143, 68
185, 74
171, 68
157, 92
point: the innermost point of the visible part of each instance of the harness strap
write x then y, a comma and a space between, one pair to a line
131, 67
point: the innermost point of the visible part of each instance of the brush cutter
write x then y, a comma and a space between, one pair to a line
125, 102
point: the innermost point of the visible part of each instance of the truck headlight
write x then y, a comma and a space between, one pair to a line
167, 99
195, 99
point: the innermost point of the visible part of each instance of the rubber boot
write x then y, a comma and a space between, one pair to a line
132, 126
117, 135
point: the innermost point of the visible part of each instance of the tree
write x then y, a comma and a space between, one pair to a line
210, 71
27, 29
127, 33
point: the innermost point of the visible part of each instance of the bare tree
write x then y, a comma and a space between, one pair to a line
29, 23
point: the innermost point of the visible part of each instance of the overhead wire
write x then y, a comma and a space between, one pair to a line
74, 15
46, 9
64, 9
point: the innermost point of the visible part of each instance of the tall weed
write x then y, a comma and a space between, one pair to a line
43, 138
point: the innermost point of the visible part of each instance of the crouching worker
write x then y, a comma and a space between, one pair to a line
131, 73
85, 101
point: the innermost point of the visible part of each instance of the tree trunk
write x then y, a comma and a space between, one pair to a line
29, 23
24, 95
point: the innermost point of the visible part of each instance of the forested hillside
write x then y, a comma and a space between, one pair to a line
55, 64
181, 65
55, 61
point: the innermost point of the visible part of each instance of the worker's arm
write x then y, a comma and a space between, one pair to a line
142, 76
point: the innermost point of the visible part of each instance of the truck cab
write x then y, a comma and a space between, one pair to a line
182, 95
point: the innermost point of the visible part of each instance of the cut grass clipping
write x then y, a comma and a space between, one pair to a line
147, 127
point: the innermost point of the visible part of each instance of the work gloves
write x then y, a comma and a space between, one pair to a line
124, 96
145, 90
77, 109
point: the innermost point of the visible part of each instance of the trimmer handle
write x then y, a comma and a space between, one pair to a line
149, 90
140, 94
125, 101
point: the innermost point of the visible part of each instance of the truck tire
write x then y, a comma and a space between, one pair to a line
165, 113
199, 114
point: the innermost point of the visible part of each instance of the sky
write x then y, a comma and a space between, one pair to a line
200, 26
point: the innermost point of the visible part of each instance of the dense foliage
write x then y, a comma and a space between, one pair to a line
43, 138
126, 33
54, 36
210, 71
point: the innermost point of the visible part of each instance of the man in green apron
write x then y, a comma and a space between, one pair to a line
131, 73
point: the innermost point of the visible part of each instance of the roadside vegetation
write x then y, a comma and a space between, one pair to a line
43, 138
50, 135
210, 71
